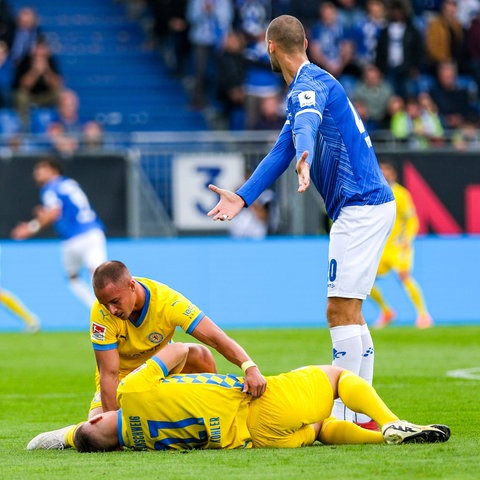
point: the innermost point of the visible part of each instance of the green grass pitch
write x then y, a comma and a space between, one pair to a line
46, 382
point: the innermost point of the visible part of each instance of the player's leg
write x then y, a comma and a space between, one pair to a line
357, 239
360, 396
12, 303
414, 292
386, 312
199, 359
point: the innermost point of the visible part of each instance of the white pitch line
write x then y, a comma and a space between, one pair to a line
465, 373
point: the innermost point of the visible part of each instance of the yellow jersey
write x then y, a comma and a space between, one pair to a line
181, 411
164, 310
398, 252
210, 411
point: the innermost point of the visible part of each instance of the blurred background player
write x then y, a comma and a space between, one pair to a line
14, 305
66, 206
398, 254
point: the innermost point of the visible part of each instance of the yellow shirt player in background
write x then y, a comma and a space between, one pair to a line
14, 305
398, 254
161, 409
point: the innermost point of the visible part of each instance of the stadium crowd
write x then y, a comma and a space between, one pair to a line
411, 67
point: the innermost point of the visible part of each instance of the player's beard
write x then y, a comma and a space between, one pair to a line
275, 65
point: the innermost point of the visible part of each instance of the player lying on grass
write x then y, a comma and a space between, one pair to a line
161, 409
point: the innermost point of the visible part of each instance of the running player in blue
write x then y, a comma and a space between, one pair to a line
328, 140
66, 207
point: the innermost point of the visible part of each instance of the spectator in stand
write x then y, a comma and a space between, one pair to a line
252, 17
67, 112
431, 121
376, 93
171, 29
260, 80
454, 103
467, 137
473, 46
37, 81
26, 34
367, 31
350, 13
261, 219
331, 45
444, 38
6, 76
399, 121
231, 71
399, 50
271, 115
61, 142
92, 139
209, 20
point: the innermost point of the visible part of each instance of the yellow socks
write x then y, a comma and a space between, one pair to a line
416, 296
361, 397
343, 432
15, 305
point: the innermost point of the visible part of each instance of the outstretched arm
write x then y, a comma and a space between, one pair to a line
229, 205
43, 217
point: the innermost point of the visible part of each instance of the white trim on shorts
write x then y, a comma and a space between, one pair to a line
357, 239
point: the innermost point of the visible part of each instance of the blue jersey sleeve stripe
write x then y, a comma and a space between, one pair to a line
194, 324
119, 428
110, 346
309, 110
160, 364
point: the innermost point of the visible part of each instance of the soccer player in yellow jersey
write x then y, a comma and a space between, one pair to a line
135, 317
161, 409
398, 254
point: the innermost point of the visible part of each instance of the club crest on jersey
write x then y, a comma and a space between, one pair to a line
306, 98
98, 332
155, 337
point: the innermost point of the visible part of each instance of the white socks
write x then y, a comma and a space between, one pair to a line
352, 350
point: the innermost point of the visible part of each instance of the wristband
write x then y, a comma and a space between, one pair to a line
247, 364
34, 226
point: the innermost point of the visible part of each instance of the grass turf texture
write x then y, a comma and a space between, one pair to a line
46, 382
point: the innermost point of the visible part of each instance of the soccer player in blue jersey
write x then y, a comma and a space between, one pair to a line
66, 206
326, 137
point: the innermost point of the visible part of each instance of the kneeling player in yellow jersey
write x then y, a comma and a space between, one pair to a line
398, 254
161, 409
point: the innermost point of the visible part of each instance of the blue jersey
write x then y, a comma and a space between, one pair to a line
322, 120
77, 216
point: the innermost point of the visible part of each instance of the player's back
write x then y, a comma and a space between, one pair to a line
183, 411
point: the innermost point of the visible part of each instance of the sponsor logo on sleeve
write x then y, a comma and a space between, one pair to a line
306, 98
98, 332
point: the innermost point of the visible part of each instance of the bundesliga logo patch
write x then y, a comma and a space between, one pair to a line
98, 332
306, 98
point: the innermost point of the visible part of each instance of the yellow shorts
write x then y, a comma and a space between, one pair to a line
398, 259
283, 416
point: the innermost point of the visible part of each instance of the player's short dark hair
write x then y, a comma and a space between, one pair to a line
111, 271
53, 163
288, 32
86, 442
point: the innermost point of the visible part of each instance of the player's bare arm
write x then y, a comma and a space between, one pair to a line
108, 363
43, 217
209, 333
303, 172
229, 205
